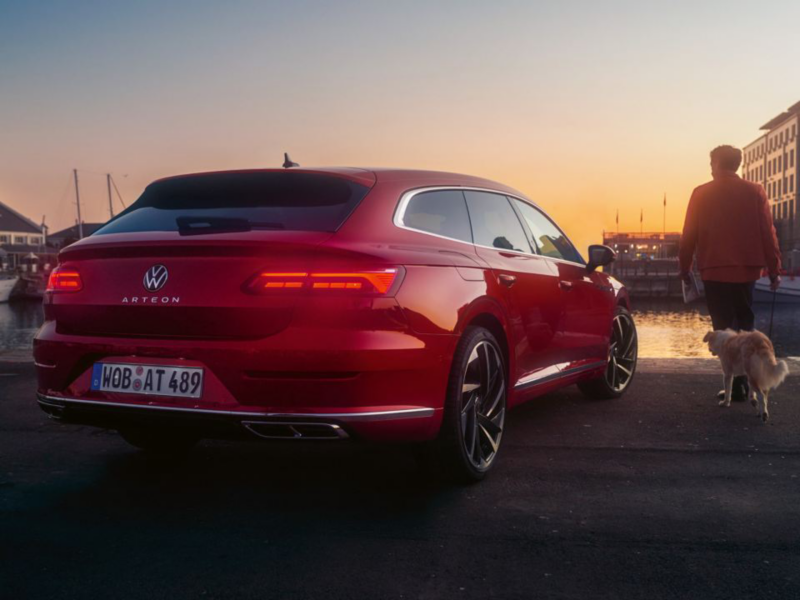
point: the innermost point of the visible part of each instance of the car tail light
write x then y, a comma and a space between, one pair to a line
64, 280
373, 281
378, 282
275, 281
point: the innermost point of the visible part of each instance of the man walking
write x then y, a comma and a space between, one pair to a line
729, 225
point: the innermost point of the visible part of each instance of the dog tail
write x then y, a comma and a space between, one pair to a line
773, 372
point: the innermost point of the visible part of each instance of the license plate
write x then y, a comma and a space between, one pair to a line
150, 380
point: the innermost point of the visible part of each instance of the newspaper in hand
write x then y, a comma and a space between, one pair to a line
690, 291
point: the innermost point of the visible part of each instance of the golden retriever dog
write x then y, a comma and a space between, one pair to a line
747, 353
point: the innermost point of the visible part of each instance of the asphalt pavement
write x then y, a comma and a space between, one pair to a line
661, 494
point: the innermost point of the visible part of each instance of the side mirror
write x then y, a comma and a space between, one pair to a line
600, 256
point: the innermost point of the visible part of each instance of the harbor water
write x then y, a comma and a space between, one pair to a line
667, 329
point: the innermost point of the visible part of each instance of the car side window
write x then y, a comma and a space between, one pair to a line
494, 222
549, 238
443, 212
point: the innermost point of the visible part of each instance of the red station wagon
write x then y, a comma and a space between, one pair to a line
372, 304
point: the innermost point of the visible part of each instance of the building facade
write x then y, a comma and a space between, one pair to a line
771, 160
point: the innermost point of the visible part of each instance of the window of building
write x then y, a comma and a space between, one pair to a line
549, 239
494, 222
791, 158
769, 168
4, 239
440, 212
34, 240
785, 212
791, 182
780, 168
20, 239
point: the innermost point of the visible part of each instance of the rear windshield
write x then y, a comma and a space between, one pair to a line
226, 202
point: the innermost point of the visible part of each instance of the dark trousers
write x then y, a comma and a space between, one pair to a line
730, 306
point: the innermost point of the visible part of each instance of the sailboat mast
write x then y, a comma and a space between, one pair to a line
78, 202
110, 204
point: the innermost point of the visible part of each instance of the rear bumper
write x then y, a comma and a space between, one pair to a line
402, 424
376, 385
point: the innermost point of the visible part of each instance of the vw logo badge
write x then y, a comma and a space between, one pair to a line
155, 278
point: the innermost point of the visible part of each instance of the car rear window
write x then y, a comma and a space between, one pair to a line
286, 201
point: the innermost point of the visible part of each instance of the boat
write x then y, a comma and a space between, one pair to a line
787, 293
7, 283
30, 287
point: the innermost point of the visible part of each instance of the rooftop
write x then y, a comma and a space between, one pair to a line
793, 110
369, 176
11, 220
72, 232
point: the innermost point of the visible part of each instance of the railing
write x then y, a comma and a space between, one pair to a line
645, 268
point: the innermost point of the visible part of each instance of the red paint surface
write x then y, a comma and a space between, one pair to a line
307, 351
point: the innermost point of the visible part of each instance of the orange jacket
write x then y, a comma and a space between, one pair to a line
729, 224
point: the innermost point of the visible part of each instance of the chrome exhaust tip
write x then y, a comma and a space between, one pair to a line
285, 430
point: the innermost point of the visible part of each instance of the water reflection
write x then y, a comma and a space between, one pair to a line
19, 322
669, 329
666, 329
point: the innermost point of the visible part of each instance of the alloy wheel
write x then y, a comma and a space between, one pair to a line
483, 391
622, 353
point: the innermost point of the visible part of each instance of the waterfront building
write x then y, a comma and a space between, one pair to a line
643, 245
70, 235
647, 262
22, 240
771, 160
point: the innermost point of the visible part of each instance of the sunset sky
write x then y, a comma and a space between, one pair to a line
586, 107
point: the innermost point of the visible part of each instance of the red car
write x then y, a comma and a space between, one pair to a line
383, 305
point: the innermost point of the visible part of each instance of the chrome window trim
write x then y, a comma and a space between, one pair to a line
406, 197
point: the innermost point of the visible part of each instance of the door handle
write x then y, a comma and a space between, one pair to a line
565, 285
507, 280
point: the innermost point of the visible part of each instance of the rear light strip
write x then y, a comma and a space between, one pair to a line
278, 280
375, 282
64, 280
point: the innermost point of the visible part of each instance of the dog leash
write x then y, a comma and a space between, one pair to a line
772, 312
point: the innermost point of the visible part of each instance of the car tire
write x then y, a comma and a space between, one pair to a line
623, 353
474, 410
159, 441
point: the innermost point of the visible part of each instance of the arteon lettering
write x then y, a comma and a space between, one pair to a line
151, 300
